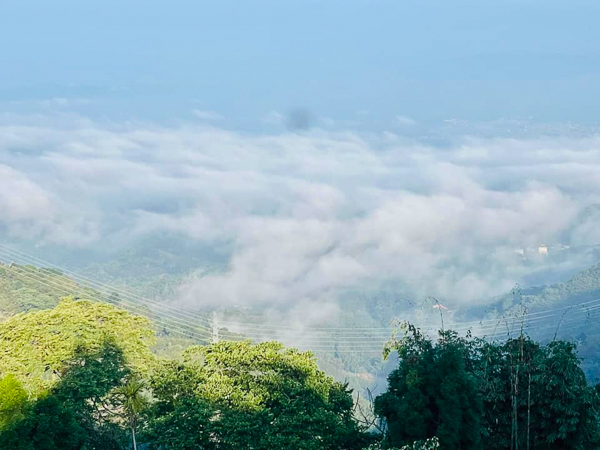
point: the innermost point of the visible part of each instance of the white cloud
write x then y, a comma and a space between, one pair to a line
27, 210
21, 200
308, 216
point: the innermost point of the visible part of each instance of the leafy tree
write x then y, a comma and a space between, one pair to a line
37, 346
564, 414
77, 361
49, 424
513, 394
536, 396
431, 393
72, 415
185, 422
234, 395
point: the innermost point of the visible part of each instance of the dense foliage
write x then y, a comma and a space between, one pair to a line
240, 395
36, 346
82, 376
536, 394
76, 413
474, 394
432, 393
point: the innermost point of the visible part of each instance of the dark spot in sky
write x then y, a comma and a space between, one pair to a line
299, 119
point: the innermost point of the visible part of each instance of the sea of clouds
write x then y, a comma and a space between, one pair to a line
305, 215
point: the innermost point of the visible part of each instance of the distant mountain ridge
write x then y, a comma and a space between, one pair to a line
581, 287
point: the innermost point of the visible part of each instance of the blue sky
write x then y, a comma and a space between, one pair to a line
427, 60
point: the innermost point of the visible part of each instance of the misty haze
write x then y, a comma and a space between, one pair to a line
299, 225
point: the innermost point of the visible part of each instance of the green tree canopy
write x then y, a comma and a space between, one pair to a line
238, 395
76, 413
511, 394
536, 394
431, 393
37, 347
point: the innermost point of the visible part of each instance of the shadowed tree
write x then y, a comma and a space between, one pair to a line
73, 414
431, 393
69, 361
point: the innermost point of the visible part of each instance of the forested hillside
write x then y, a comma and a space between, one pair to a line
27, 288
30, 288
107, 376
582, 287
83, 376
567, 310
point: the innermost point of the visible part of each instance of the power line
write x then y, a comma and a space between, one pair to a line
488, 323
42, 277
319, 338
98, 285
176, 326
127, 297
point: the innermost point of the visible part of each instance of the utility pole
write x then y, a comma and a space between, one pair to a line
215, 328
